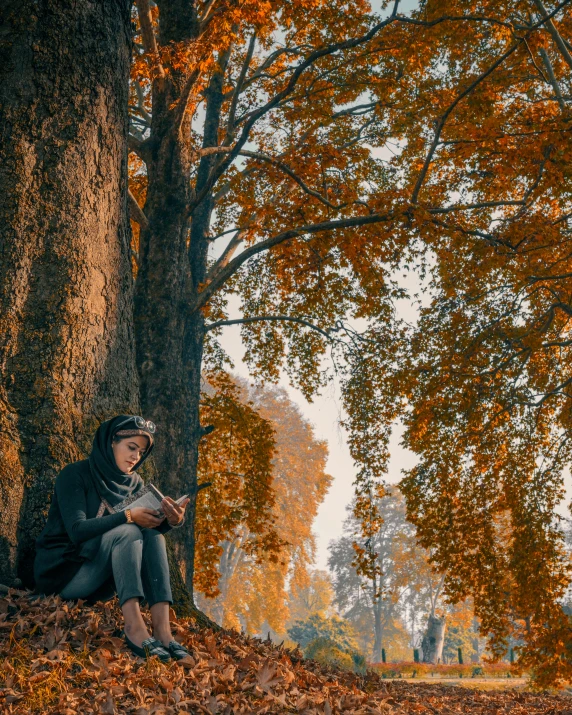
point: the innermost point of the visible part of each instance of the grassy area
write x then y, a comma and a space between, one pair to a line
477, 683
428, 671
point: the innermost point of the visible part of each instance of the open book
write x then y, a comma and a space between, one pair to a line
148, 496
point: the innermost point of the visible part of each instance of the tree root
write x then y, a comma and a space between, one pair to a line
183, 602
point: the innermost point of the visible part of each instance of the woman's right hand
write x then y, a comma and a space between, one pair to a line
149, 518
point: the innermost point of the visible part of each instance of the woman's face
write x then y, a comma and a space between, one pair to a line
129, 451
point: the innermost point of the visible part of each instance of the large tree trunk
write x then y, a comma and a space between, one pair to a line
172, 266
66, 334
169, 340
432, 643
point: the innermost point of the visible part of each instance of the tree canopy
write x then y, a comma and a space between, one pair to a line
322, 159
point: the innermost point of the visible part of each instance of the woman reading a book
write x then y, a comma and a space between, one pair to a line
93, 544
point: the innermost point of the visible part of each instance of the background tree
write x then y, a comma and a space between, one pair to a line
375, 601
314, 596
402, 591
66, 334
486, 368
246, 564
336, 629
462, 632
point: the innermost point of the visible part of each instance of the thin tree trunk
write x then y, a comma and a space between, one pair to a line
66, 334
377, 605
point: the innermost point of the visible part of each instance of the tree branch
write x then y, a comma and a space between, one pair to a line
141, 102
148, 34
551, 27
552, 78
443, 118
135, 145
239, 321
136, 212
252, 117
238, 90
482, 205
225, 273
275, 162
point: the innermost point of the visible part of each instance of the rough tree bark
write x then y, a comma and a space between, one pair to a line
172, 266
432, 643
66, 335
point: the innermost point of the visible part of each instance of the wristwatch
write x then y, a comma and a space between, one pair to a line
128, 515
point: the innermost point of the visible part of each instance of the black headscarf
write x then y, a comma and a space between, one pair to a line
111, 483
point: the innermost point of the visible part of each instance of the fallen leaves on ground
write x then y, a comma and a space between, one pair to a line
63, 658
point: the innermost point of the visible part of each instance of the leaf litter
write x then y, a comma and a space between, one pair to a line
67, 658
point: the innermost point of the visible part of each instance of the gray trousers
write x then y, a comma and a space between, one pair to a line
137, 559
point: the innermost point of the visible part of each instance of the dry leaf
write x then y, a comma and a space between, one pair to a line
108, 707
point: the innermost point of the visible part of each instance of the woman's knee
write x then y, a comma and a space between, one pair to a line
125, 532
155, 536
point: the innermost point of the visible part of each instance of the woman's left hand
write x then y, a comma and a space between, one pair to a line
174, 512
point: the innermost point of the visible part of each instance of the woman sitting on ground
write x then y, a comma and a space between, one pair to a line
81, 552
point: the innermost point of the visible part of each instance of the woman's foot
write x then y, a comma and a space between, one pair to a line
177, 650
136, 634
149, 648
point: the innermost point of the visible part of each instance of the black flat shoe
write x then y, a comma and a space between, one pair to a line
178, 651
149, 648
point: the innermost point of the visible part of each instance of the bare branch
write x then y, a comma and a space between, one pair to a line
225, 273
271, 318
141, 102
551, 27
357, 109
184, 99
482, 205
238, 90
208, 14
552, 78
272, 57
228, 253
533, 60
136, 212
148, 34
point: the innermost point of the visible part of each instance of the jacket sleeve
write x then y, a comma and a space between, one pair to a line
164, 526
72, 501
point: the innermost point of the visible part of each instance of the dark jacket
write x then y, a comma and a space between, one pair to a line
72, 533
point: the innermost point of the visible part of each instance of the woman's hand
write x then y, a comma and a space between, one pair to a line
174, 512
143, 516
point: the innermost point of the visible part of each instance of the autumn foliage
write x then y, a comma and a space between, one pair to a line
247, 566
316, 163
60, 658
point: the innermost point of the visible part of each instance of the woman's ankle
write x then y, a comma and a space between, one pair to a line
136, 632
162, 635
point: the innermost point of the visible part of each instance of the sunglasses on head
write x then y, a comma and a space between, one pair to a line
140, 422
